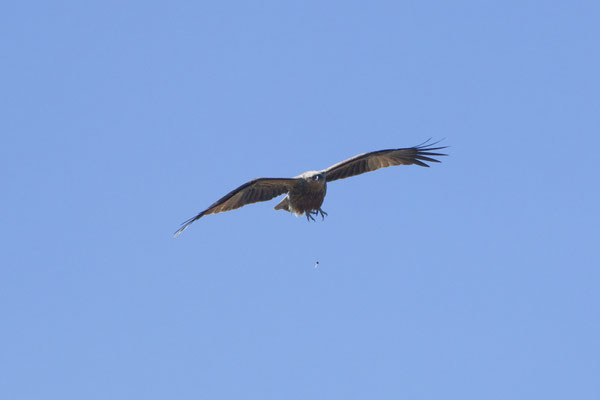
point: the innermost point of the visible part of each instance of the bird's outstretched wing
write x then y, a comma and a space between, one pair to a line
367, 162
261, 189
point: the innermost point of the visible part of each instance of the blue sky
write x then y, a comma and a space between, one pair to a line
476, 278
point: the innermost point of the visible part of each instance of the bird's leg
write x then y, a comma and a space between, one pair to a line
309, 215
323, 214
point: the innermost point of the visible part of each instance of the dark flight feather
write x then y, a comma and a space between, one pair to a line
374, 160
261, 189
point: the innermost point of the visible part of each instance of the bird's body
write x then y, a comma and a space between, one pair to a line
306, 192
306, 195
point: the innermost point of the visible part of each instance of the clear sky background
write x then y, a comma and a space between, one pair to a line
477, 278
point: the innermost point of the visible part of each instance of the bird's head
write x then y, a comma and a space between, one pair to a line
318, 177
313, 176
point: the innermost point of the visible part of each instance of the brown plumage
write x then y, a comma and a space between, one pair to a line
306, 192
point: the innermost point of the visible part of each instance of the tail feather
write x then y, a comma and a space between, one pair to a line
283, 205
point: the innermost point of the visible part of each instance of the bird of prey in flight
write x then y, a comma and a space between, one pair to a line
306, 192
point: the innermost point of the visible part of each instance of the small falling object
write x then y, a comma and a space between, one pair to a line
316, 264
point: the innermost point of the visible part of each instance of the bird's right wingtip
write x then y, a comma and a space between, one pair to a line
185, 225
179, 232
